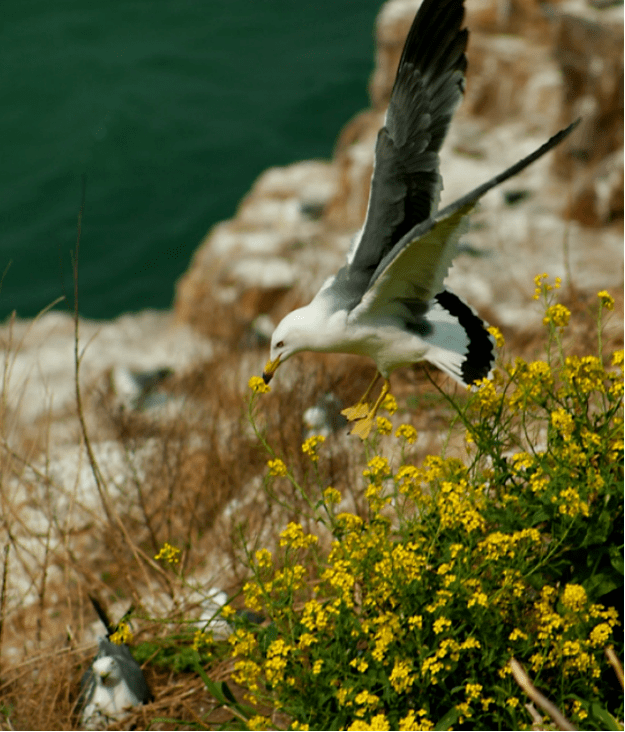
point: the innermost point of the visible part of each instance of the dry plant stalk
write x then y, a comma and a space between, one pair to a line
523, 680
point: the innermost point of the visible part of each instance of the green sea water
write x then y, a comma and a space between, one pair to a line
170, 110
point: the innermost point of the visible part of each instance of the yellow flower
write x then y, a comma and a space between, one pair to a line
310, 446
496, 334
408, 432
122, 634
574, 597
558, 315
542, 287
169, 553
607, 301
227, 612
263, 558
294, 536
258, 386
367, 699
517, 634
277, 467
600, 634
201, 639
316, 669
570, 503
384, 426
389, 404
378, 468
332, 495
401, 678
441, 624
258, 722
470, 643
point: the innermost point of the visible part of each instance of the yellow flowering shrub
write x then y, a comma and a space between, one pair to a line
408, 615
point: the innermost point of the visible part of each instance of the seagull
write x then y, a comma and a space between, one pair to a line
113, 684
388, 301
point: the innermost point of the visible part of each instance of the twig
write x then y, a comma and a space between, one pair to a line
615, 663
523, 680
3, 593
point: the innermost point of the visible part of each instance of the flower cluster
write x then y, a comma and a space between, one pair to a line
310, 447
169, 553
406, 617
122, 634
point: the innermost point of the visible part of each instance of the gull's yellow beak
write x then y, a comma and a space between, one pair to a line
270, 369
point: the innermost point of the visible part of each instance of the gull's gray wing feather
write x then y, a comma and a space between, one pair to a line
429, 85
415, 270
412, 273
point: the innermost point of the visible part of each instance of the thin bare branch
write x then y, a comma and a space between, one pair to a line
523, 680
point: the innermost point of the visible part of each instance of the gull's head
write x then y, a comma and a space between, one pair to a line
294, 333
106, 672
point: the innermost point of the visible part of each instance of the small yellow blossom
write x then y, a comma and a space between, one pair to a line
379, 722
558, 315
122, 634
359, 664
258, 722
389, 404
332, 495
294, 537
517, 635
563, 422
316, 669
310, 446
258, 386
401, 679
378, 469
408, 432
607, 301
228, 612
169, 553
543, 287
441, 624
306, 640
384, 426
277, 468
201, 639
496, 334
574, 597
264, 558
600, 634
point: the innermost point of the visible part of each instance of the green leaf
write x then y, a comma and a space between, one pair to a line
448, 720
605, 717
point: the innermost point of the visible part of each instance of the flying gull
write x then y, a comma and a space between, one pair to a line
113, 684
388, 301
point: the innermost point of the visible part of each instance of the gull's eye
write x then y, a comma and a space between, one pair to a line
280, 344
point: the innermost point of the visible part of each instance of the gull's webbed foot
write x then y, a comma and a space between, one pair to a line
363, 426
358, 411
361, 409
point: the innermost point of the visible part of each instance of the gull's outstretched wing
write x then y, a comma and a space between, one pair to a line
406, 184
412, 273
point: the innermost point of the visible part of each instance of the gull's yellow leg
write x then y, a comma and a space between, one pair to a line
363, 426
360, 409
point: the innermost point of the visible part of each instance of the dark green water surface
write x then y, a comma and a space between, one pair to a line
171, 109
